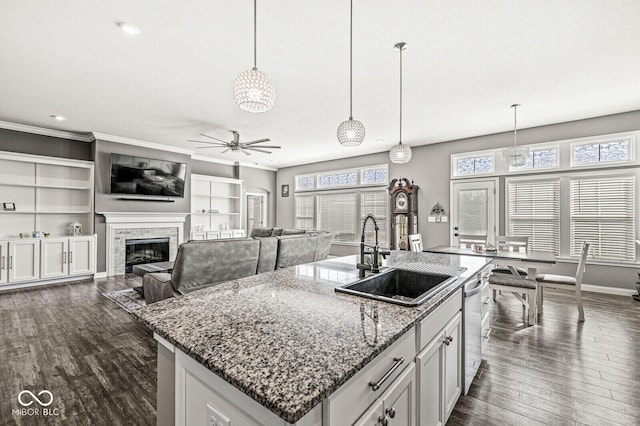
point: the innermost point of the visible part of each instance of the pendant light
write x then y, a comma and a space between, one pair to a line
400, 153
351, 132
253, 90
515, 156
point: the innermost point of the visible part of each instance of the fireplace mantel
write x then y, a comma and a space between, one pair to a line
121, 225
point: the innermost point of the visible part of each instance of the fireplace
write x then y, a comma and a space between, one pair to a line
145, 250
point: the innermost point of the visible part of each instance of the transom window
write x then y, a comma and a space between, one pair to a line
336, 180
606, 152
540, 159
474, 165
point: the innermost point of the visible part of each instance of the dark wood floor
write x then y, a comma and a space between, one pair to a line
100, 364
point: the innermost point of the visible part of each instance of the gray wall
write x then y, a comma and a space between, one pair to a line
262, 182
212, 169
29, 143
430, 169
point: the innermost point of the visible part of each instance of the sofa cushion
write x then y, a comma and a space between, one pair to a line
289, 231
276, 232
260, 232
268, 254
157, 286
202, 263
323, 246
295, 250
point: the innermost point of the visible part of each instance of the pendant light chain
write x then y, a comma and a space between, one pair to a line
400, 153
515, 123
400, 142
255, 34
351, 63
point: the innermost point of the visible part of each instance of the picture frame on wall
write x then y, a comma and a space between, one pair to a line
285, 190
9, 207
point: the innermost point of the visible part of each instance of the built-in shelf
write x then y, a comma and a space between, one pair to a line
34, 185
217, 205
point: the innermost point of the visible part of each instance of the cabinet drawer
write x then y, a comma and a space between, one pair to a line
486, 330
434, 322
347, 404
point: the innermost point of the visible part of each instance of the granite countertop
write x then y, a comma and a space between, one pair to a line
286, 338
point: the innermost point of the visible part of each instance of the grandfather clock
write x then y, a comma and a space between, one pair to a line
403, 212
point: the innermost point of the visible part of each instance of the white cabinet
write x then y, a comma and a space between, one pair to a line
53, 258
216, 207
82, 255
4, 258
397, 405
440, 374
46, 193
24, 261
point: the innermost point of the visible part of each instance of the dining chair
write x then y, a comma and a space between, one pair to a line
469, 241
511, 243
566, 282
524, 289
415, 242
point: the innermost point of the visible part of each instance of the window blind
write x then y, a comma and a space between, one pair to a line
534, 211
337, 213
305, 211
602, 212
375, 202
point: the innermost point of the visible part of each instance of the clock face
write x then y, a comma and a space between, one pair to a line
401, 202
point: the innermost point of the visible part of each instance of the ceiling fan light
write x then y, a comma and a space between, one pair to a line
254, 91
350, 132
400, 153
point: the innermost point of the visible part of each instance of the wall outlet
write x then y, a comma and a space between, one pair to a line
215, 417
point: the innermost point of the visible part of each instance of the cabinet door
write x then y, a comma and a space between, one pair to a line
453, 364
81, 255
197, 235
226, 234
373, 416
238, 233
4, 258
213, 235
400, 399
53, 258
24, 261
431, 382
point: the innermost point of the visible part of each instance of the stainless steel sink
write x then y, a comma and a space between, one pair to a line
407, 288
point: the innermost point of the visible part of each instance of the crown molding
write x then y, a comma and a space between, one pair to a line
142, 144
233, 163
82, 137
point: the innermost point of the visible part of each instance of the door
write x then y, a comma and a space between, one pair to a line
53, 257
400, 399
431, 382
256, 210
81, 255
452, 364
4, 246
474, 210
24, 261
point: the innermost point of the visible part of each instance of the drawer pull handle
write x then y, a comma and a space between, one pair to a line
391, 412
2, 267
447, 340
10, 262
375, 386
486, 300
383, 421
486, 334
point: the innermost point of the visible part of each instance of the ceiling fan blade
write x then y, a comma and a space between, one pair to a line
259, 150
209, 143
268, 146
245, 152
211, 137
228, 149
256, 141
212, 146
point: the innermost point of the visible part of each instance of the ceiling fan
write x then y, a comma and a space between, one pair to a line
235, 145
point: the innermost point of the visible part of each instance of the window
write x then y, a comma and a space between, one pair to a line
305, 211
602, 212
337, 213
533, 210
305, 183
593, 153
338, 201
540, 159
474, 165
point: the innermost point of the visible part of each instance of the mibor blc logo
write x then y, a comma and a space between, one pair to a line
35, 404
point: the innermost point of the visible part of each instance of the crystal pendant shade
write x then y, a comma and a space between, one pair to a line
515, 156
254, 91
350, 132
400, 153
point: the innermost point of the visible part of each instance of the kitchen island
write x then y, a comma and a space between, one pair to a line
286, 340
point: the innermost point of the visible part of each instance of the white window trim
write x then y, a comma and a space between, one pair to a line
311, 175
359, 173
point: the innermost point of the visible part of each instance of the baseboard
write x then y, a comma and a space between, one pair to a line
16, 286
608, 290
100, 275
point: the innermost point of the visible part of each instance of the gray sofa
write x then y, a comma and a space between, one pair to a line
201, 264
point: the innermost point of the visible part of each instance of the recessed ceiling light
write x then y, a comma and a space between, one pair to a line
380, 140
58, 117
129, 29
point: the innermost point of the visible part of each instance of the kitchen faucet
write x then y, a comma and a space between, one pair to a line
373, 267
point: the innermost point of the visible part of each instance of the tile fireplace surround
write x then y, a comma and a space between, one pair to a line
129, 225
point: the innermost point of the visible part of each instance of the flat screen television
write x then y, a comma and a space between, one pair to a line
146, 176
